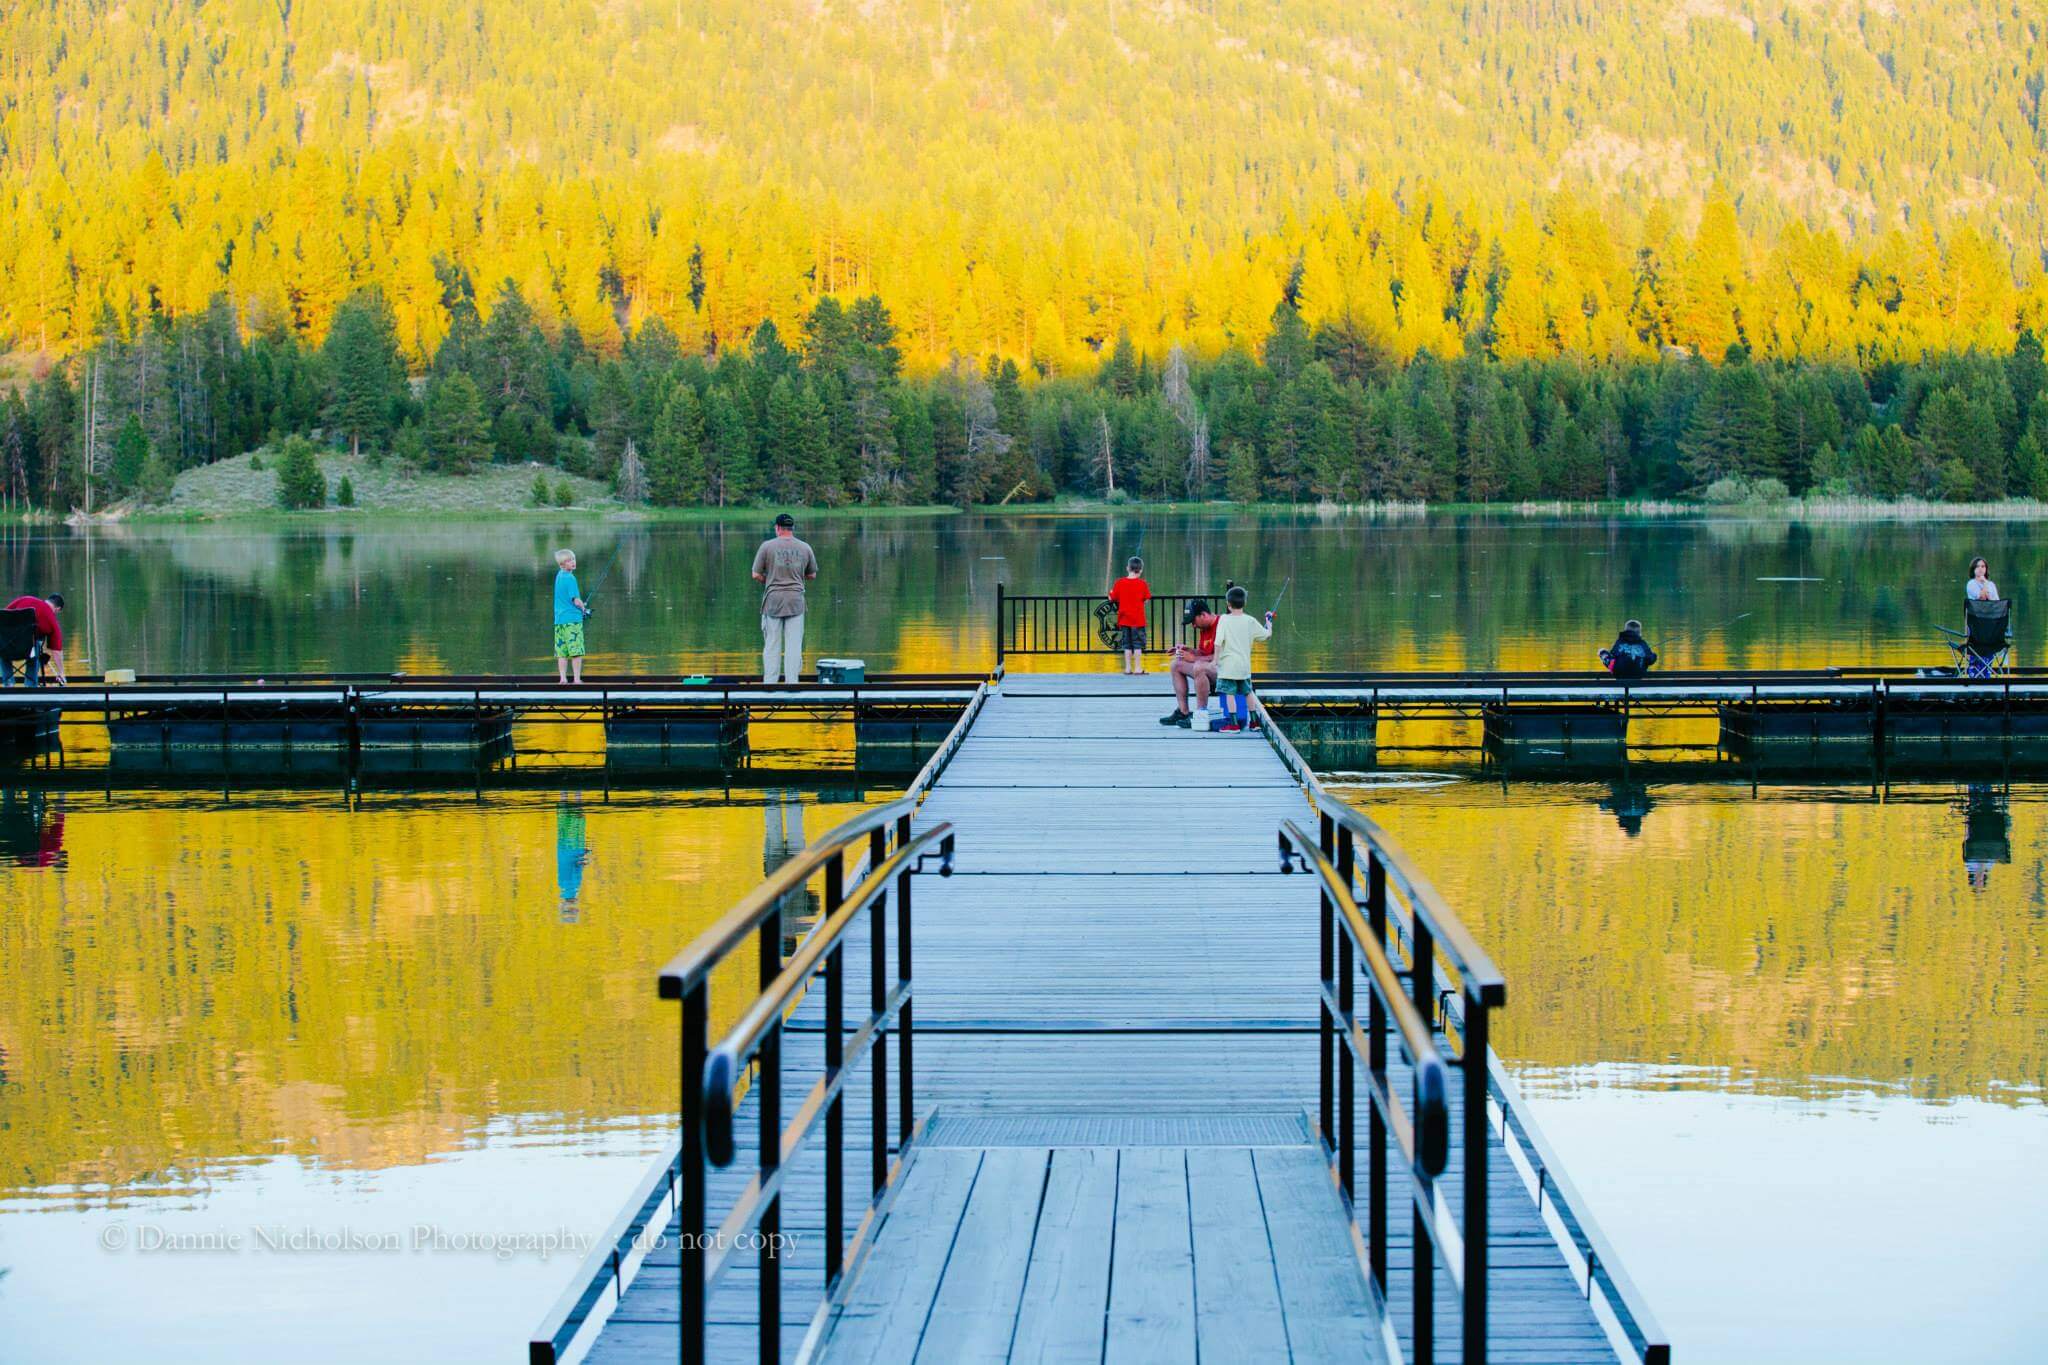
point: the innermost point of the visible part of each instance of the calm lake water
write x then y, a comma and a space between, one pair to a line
1792, 1041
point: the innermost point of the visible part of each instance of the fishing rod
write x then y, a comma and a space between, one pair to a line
1282, 597
1693, 641
599, 581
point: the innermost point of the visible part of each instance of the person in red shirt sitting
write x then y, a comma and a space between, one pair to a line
1198, 663
1131, 593
48, 630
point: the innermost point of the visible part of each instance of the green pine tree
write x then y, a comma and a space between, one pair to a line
916, 447
1241, 474
1733, 429
366, 390
131, 452
300, 484
675, 461
731, 471
457, 433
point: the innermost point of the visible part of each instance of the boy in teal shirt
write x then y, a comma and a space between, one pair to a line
569, 613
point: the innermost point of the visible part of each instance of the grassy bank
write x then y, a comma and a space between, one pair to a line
246, 488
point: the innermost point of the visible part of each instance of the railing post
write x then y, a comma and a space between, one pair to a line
1347, 1078
905, 1027
690, 1210
1474, 1062
769, 1080
878, 995
1326, 1031
1376, 1059
1422, 991
999, 624
835, 1059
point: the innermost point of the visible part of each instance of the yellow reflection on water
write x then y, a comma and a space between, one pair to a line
1788, 942
192, 982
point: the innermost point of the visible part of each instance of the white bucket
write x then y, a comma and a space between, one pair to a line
1200, 720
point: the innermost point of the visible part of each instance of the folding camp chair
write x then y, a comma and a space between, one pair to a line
21, 649
1983, 648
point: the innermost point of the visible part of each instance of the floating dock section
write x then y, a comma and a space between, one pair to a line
683, 738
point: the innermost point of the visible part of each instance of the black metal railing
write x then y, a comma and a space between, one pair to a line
711, 1075
1419, 1131
1417, 953
1076, 623
677, 1181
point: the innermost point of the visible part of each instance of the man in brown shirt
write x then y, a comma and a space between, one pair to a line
781, 565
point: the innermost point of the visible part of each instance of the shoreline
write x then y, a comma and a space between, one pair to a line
1837, 510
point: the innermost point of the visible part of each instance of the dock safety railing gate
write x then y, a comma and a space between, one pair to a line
1074, 623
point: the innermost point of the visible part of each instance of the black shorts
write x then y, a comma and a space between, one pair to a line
1130, 637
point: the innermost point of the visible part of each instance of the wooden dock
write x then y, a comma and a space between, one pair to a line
1116, 1050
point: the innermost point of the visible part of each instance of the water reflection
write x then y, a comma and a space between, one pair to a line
572, 851
363, 1010
1801, 938
1987, 835
1629, 803
916, 593
1791, 1059
31, 828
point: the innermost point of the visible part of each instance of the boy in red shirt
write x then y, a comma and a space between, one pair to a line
1130, 593
48, 630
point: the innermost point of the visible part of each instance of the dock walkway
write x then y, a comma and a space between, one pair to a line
1116, 1016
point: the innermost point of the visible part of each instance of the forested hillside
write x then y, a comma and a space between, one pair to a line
1029, 179
897, 251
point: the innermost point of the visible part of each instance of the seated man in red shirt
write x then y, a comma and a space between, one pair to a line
48, 630
1198, 663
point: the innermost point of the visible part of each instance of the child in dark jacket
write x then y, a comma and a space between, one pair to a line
1630, 657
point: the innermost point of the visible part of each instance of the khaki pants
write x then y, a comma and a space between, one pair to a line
782, 645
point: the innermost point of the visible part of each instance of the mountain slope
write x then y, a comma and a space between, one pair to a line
1019, 176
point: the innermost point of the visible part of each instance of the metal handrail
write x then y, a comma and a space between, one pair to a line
694, 963
723, 1067
1474, 964
1427, 1147
1631, 1312
950, 745
711, 1077
678, 1178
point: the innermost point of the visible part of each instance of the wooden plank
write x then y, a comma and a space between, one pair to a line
976, 1309
885, 1310
1237, 1298
1322, 1291
1066, 1293
1152, 1272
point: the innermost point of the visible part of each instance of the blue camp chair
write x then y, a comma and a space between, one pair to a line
1983, 648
